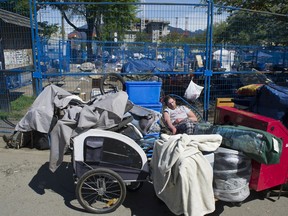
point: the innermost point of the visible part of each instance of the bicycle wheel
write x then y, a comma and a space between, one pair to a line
112, 82
100, 191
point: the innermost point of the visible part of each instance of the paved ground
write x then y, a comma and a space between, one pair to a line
28, 188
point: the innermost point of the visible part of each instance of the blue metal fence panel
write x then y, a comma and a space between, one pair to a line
16, 54
197, 40
177, 34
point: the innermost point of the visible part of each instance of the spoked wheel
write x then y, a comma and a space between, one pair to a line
134, 186
112, 82
100, 191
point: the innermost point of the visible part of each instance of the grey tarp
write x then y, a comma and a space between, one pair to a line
105, 112
40, 114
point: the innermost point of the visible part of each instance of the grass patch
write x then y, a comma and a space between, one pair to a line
19, 107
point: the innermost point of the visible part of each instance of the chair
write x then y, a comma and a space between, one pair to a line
182, 101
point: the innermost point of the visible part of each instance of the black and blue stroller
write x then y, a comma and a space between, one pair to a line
106, 163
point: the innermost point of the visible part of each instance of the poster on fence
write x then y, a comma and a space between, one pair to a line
18, 58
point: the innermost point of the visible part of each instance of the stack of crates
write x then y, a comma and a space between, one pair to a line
145, 94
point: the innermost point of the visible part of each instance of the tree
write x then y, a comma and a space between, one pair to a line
176, 37
22, 7
273, 6
258, 22
48, 30
102, 19
142, 37
173, 37
247, 28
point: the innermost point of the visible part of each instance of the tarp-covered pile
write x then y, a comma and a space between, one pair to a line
272, 101
258, 145
77, 116
145, 65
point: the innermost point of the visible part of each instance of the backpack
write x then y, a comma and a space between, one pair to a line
18, 140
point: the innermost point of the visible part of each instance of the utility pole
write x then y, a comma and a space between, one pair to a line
62, 25
142, 16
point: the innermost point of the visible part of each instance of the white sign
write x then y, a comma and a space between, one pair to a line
18, 58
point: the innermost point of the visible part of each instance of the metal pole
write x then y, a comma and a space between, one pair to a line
37, 76
208, 62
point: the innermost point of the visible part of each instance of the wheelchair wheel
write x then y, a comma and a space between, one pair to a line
111, 82
100, 191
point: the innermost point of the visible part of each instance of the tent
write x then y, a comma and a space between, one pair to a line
225, 57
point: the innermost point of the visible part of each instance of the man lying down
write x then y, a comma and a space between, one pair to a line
178, 118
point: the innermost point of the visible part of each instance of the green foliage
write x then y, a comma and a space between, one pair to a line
19, 107
48, 29
259, 22
248, 28
142, 37
175, 37
117, 18
23, 102
273, 6
16, 6
102, 19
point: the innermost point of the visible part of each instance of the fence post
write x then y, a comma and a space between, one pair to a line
36, 75
208, 62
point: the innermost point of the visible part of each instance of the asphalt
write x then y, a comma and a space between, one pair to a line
28, 188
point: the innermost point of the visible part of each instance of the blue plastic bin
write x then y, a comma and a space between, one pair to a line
144, 92
157, 106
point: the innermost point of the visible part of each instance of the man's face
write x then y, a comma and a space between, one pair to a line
171, 103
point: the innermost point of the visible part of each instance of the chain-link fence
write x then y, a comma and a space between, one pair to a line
73, 44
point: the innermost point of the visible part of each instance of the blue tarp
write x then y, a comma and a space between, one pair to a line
272, 101
145, 65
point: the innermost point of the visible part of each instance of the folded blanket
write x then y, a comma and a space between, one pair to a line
182, 176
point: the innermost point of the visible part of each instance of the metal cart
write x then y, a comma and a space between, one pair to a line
264, 177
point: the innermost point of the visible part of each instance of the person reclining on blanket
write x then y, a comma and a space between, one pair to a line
179, 119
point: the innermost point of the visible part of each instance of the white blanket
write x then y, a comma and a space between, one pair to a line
182, 176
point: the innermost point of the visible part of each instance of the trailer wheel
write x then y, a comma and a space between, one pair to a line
134, 186
111, 82
100, 191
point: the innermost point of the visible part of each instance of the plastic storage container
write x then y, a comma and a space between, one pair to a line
231, 175
143, 92
156, 107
